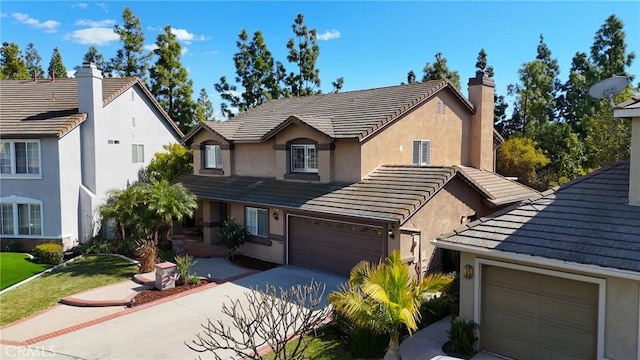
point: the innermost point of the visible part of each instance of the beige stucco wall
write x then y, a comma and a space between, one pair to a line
622, 308
346, 161
448, 134
227, 155
273, 253
446, 211
255, 159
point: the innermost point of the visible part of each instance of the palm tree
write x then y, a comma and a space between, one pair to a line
385, 298
168, 202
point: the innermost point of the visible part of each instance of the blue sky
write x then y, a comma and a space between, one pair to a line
370, 44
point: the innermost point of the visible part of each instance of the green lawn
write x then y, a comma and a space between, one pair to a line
45, 291
324, 346
15, 267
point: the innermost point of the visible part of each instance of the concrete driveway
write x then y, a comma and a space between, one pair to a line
159, 332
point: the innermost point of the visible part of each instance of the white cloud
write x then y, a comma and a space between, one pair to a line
150, 47
102, 6
182, 35
153, 28
183, 50
48, 26
80, 5
329, 35
93, 36
3, 15
92, 23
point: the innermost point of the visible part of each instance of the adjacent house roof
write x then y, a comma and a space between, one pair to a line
496, 189
50, 108
587, 221
629, 108
352, 114
390, 193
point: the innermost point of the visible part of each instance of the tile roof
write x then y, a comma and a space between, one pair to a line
587, 221
633, 103
50, 108
390, 193
352, 114
497, 189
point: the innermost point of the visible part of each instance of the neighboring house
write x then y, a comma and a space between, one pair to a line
64, 144
326, 181
559, 277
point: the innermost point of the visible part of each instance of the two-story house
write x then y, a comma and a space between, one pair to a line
64, 144
326, 181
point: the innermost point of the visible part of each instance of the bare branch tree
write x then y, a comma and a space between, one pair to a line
266, 320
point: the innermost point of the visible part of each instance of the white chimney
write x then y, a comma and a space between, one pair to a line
89, 79
631, 109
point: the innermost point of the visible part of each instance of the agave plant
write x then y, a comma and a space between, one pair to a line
385, 298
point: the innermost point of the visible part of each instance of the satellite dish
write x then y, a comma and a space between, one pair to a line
608, 88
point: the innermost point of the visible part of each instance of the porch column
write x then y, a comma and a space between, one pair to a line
210, 222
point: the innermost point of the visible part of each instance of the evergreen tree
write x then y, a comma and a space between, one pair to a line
337, 85
204, 111
575, 103
231, 102
56, 66
131, 59
439, 70
609, 50
93, 55
303, 53
33, 59
411, 77
170, 82
12, 66
481, 64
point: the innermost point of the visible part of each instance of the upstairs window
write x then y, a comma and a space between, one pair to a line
137, 153
257, 221
304, 158
20, 157
421, 152
212, 157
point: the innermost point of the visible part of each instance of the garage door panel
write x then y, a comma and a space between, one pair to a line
331, 245
543, 317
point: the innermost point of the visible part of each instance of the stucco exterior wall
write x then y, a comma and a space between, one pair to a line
117, 123
45, 189
622, 308
255, 159
448, 134
346, 161
446, 211
70, 180
227, 154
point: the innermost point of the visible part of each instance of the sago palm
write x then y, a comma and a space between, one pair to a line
385, 298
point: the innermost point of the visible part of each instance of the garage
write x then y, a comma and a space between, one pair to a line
526, 315
333, 246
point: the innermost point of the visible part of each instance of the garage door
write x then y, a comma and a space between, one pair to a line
532, 316
332, 246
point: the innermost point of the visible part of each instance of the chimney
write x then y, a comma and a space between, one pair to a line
631, 109
481, 93
89, 80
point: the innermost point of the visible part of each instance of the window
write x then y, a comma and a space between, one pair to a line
137, 153
21, 214
257, 221
304, 158
20, 157
212, 157
421, 152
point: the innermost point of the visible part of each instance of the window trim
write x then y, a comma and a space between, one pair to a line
137, 153
217, 156
246, 224
306, 169
12, 158
15, 200
421, 161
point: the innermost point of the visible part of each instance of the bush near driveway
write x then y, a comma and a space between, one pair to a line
15, 267
45, 291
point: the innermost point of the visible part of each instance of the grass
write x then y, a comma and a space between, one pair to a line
45, 291
324, 346
15, 267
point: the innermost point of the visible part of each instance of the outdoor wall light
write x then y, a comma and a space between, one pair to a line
275, 214
467, 271
390, 233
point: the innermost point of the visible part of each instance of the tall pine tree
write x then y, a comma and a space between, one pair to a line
439, 70
12, 66
56, 66
204, 110
94, 56
131, 59
170, 82
303, 53
32, 58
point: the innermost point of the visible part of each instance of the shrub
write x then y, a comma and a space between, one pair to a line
166, 255
232, 235
97, 245
12, 247
462, 337
433, 310
452, 295
147, 253
49, 253
127, 247
184, 264
361, 342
